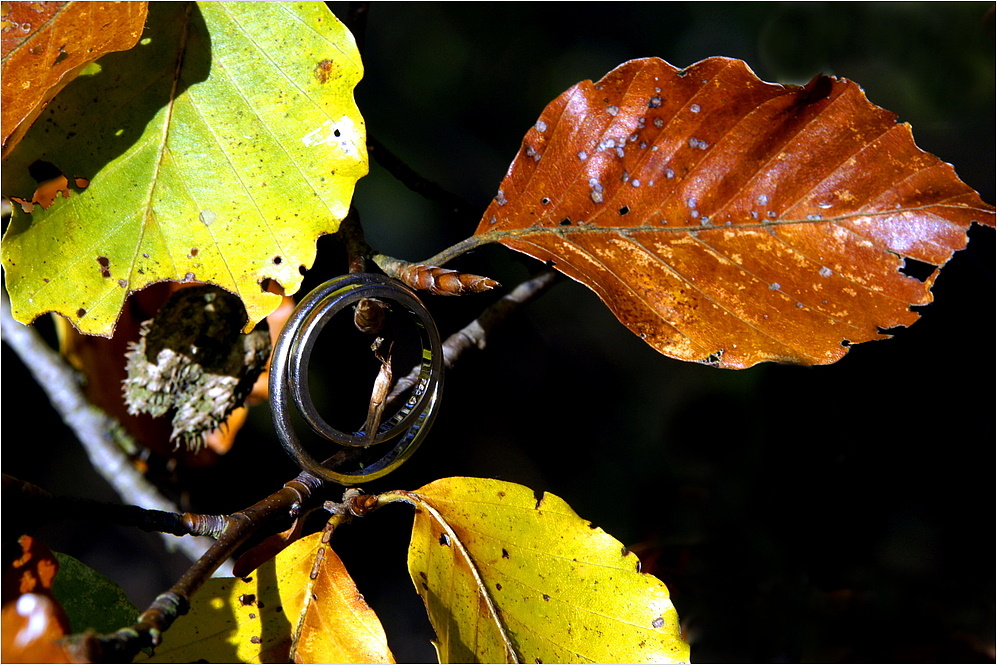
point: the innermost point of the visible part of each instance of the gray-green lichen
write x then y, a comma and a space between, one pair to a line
192, 358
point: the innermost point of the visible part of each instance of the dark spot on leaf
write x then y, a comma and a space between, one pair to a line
546, 597
539, 496
194, 251
260, 605
658, 623
80, 313
324, 70
498, 587
505, 553
423, 575
105, 266
919, 270
444, 540
247, 598
624, 210
424, 586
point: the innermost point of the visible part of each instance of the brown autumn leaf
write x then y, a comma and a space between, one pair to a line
731, 221
46, 44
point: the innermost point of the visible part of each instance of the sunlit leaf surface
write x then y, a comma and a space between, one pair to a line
730, 221
513, 575
217, 150
300, 606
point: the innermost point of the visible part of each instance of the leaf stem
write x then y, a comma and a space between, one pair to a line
456, 250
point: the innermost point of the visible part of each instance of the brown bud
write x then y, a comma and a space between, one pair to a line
444, 282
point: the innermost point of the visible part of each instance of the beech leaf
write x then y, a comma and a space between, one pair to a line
46, 44
731, 221
217, 150
301, 606
510, 575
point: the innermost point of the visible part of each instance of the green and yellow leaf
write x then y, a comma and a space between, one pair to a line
301, 606
509, 575
217, 150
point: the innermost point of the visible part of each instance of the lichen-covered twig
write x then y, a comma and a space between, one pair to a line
33, 506
97, 432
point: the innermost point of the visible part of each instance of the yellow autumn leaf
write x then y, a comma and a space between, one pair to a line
217, 150
301, 606
509, 575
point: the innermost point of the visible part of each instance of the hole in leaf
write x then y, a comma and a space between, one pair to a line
42, 171
919, 270
624, 210
277, 260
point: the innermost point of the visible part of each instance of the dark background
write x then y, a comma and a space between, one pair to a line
835, 514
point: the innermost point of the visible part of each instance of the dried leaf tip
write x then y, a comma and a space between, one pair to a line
442, 281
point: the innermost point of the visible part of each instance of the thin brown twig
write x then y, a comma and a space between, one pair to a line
99, 433
34, 506
475, 333
122, 645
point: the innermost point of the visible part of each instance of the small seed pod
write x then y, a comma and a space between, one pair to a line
193, 359
444, 282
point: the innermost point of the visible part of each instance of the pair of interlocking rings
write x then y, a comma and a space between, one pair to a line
289, 378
